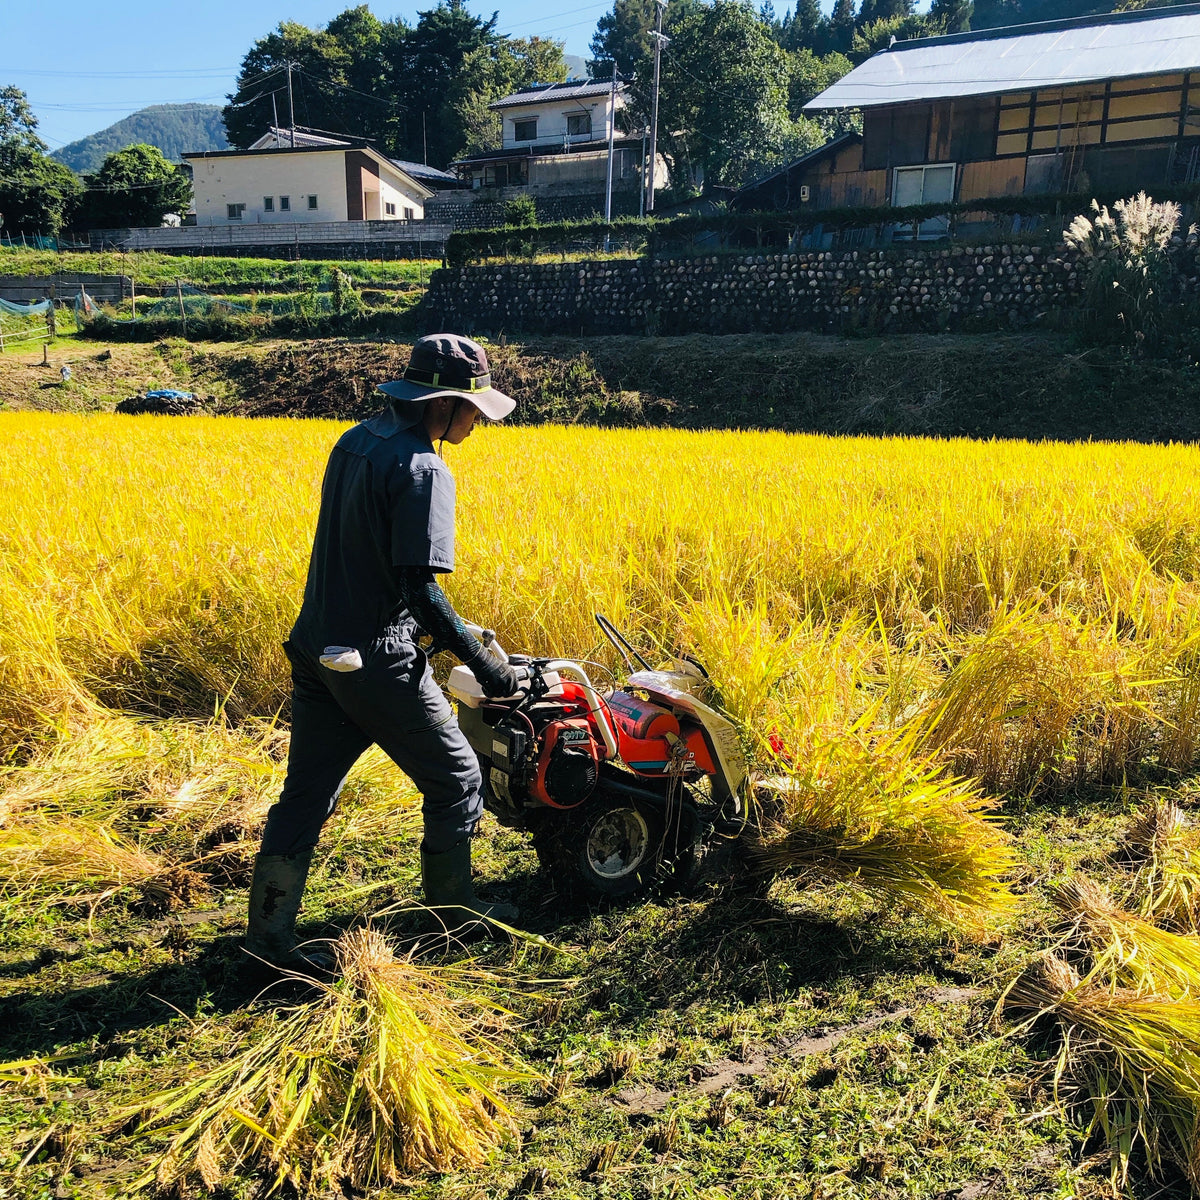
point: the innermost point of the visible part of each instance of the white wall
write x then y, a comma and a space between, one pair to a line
221, 181
552, 120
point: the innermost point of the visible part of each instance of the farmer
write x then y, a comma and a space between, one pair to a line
384, 532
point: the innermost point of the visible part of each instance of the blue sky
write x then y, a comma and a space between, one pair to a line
85, 64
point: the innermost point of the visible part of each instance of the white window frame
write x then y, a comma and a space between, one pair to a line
312, 203
235, 212
518, 122
285, 204
935, 227
408, 214
269, 204
389, 208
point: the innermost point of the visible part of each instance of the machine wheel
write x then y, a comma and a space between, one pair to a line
612, 845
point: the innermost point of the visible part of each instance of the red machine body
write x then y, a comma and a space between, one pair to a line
652, 740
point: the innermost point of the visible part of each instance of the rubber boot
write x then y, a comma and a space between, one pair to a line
450, 895
275, 892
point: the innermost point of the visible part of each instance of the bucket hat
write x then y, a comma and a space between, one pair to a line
446, 364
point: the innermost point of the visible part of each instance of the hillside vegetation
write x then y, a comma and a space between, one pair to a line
173, 128
1018, 385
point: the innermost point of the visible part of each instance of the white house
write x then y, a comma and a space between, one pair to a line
555, 140
304, 177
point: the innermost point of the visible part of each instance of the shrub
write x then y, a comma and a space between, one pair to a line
1130, 266
520, 210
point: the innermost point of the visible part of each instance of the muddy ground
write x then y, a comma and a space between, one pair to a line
1020, 385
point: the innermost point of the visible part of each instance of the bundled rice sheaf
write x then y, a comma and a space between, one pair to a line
395, 1069
1162, 846
1135, 1056
877, 812
1124, 948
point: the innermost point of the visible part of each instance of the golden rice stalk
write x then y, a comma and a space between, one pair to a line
1126, 948
87, 861
1164, 848
884, 816
1136, 1054
393, 1070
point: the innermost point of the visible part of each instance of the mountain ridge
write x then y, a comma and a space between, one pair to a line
173, 128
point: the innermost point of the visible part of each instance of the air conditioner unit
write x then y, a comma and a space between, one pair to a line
803, 193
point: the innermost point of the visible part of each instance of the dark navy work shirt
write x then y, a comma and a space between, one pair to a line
387, 501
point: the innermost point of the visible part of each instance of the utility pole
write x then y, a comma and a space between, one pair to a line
291, 105
659, 42
612, 127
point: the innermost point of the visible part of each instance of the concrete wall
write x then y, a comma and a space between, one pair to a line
997, 286
552, 120
220, 181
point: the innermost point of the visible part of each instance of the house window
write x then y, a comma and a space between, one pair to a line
312, 204
234, 211
389, 209
579, 123
525, 131
924, 185
268, 204
285, 204
408, 214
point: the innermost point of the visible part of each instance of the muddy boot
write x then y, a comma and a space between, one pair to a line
275, 893
449, 894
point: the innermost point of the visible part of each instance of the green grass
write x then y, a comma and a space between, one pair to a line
674, 1037
151, 268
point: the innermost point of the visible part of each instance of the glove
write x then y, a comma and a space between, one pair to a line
495, 677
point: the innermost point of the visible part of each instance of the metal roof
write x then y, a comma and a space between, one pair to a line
549, 93
1020, 58
421, 172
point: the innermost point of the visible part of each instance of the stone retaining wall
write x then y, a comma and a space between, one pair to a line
917, 288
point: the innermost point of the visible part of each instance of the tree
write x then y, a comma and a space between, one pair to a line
488, 74
802, 28
883, 10
953, 16
322, 65
723, 102
841, 26
37, 194
810, 75
878, 35
427, 70
135, 187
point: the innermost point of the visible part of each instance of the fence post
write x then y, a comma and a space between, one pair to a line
182, 310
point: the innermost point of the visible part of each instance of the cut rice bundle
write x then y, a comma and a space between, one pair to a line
1126, 949
1163, 846
395, 1069
1136, 1054
880, 814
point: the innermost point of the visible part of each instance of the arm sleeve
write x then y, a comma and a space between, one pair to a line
431, 609
423, 520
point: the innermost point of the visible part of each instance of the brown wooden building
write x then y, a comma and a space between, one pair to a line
1106, 104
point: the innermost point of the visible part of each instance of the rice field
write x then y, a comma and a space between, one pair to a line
970, 670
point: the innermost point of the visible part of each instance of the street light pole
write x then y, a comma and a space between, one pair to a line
612, 126
291, 105
659, 41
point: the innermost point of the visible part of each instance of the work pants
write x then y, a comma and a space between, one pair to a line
394, 702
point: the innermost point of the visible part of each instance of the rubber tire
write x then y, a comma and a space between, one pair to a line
561, 842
